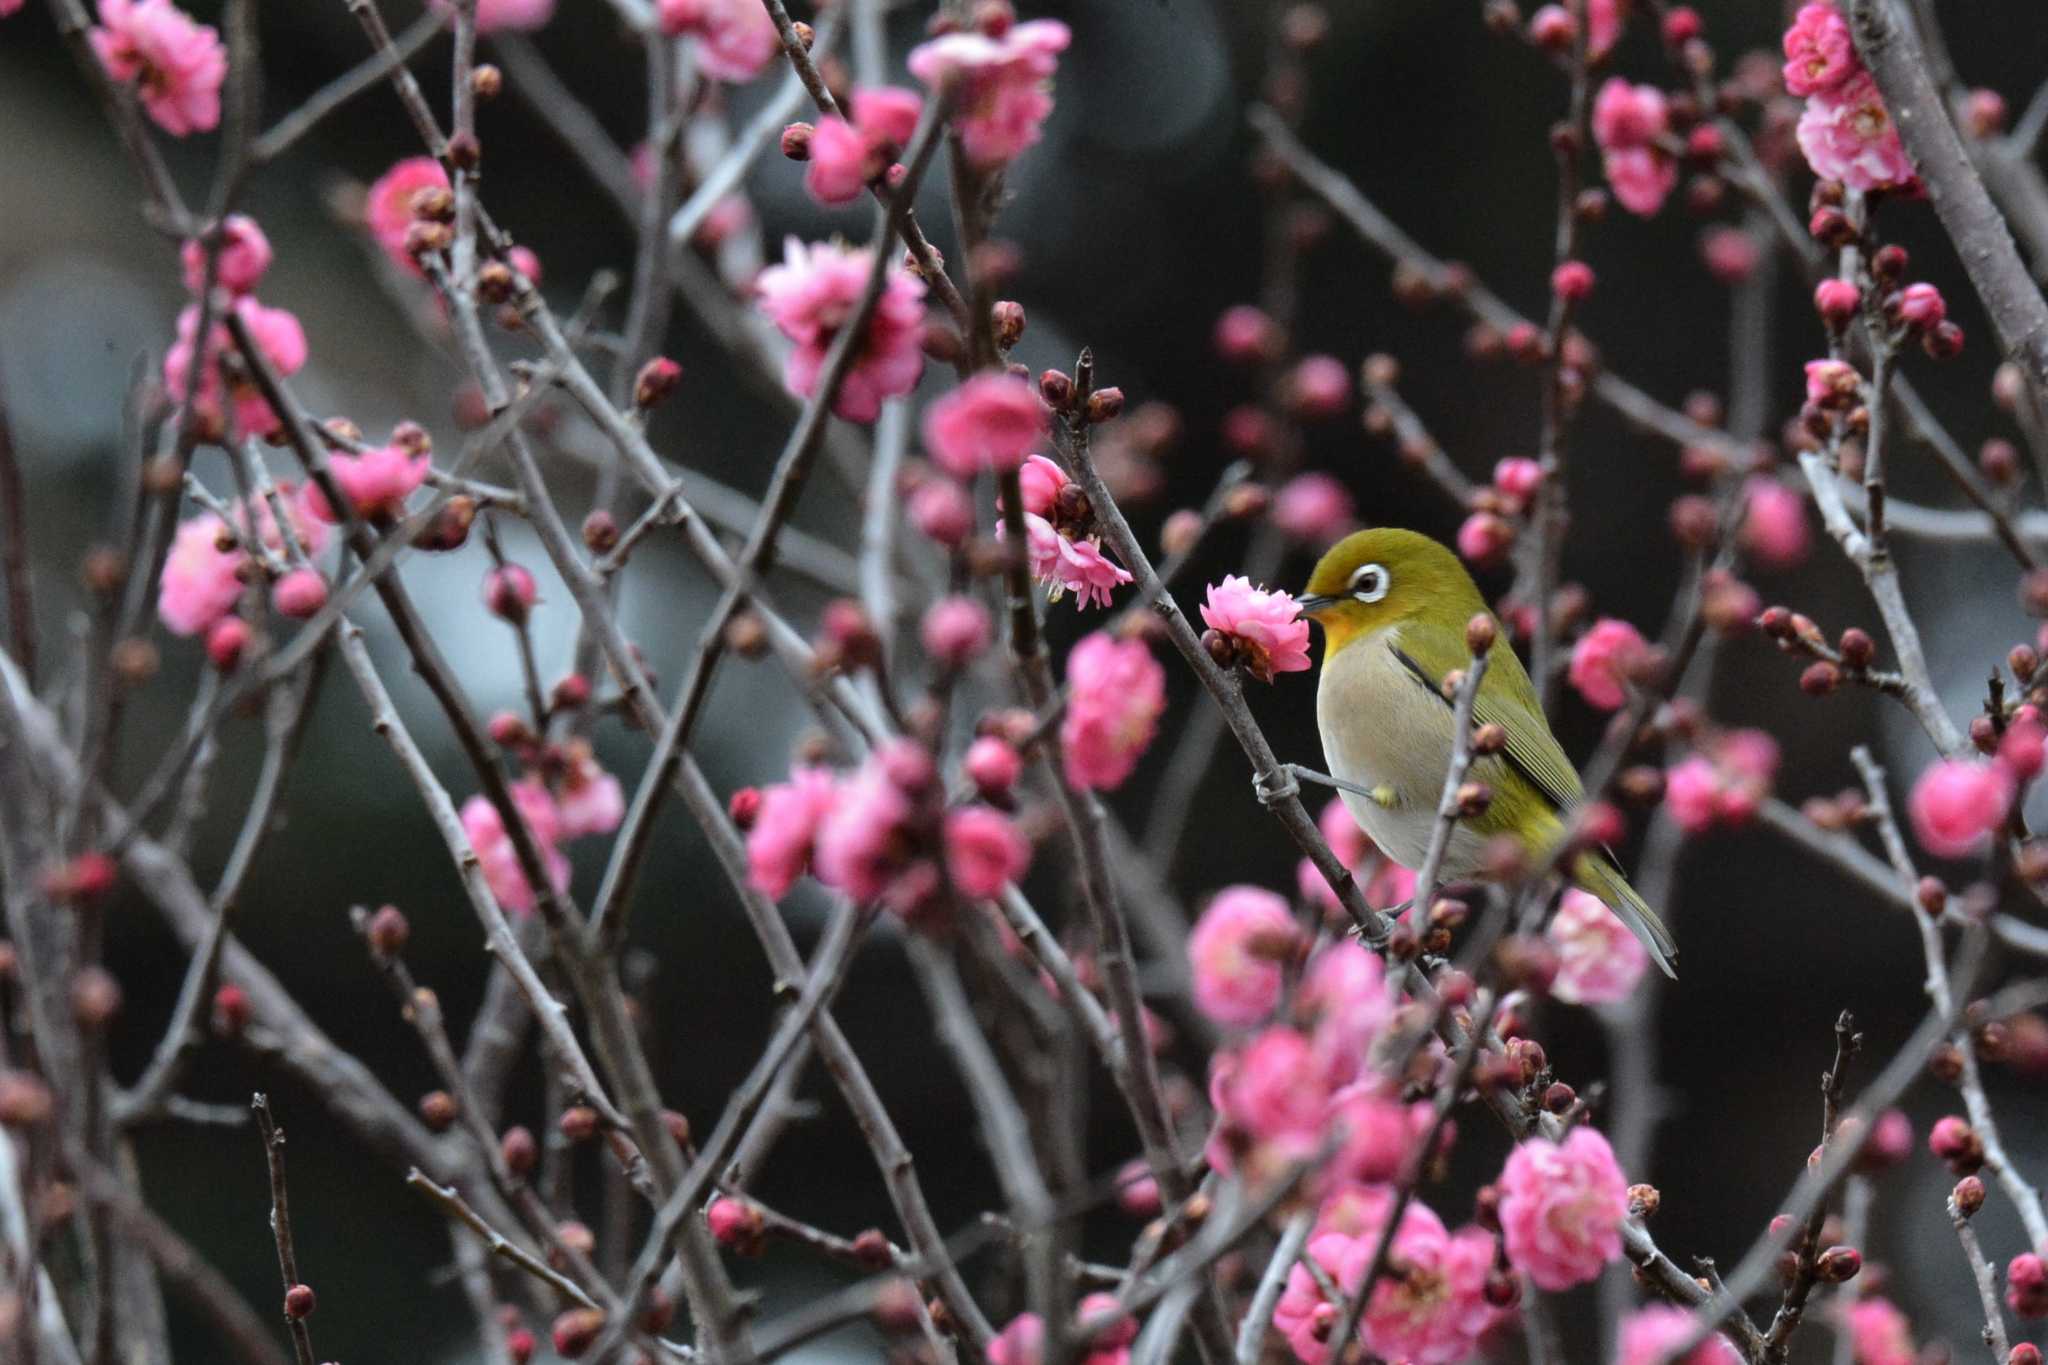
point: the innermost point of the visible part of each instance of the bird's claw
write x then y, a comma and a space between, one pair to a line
1274, 787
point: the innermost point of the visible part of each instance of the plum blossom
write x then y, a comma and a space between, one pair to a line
1599, 960
299, 593
1433, 1313
1879, 1333
1314, 508
241, 260
1271, 1098
785, 829
1724, 784
1116, 691
1265, 629
1848, 135
1649, 1334
1001, 85
1561, 1208
379, 480
1604, 19
1343, 999
202, 581
1957, 803
1641, 178
1601, 661
1774, 526
1235, 954
1819, 53
176, 64
991, 421
846, 156
1303, 1315
588, 799
387, 208
276, 333
496, 854
735, 39
1628, 121
810, 296
1384, 882
955, 630
984, 851
859, 848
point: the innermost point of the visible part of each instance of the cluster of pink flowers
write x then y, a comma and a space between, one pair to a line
176, 64
1383, 881
1879, 1333
388, 207
576, 797
1000, 83
1262, 631
229, 392
1598, 960
1562, 1205
1649, 1335
1846, 132
1724, 783
377, 481
810, 297
1111, 1330
1060, 537
734, 39
208, 567
1602, 661
1116, 692
1958, 803
1629, 123
1436, 1310
990, 422
879, 833
1236, 952
846, 157
240, 263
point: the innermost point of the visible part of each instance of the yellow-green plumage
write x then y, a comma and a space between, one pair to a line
1386, 725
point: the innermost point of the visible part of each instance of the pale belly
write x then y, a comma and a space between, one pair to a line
1381, 729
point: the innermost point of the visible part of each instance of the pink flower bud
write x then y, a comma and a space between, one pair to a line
1836, 301
225, 641
1246, 336
1518, 477
509, 592
299, 594
657, 379
1319, 388
1314, 508
1484, 538
1921, 306
1730, 254
993, 766
1553, 28
1572, 281
735, 1225
943, 511
955, 631
1956, 804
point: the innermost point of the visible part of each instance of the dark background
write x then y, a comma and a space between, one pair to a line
1138, 224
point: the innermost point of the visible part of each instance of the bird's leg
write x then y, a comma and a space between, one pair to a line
1293, 774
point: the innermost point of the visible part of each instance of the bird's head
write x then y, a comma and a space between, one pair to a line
1381, 577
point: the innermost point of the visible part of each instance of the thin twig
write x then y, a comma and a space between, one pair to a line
281, 1225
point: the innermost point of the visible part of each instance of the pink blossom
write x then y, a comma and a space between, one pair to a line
955, 631
1957, 803
1601, 661
1343, 998
991, 421
1235, 954
2024, 747
276, 333
839, 167
1692, 792
508, 16
509, 591
588, 799
1039, 482
1137, 1189
1021, 1342
1435, 1311
2026, 1285
1561, 1208
1848, 135
942, 510
785, 828
1921, 306
1649, 1334
1110, 1342
1878, 1332
1599, 960
735, 38
201, 581
1314, 507
8, 7
387, 209
1071, 564
1377, 1133
1628, 116
1319, 388
299, 593
495, 852
240, 262
984, 851
1604, 19
378, 481
1724, 785
1484, 537
1116, 691
1774, 527
1518, 477
993, 765
1640, 177
1832, 383
176, 63
1730, 254
858, 844
1303, 1315
1271, 1099
1819, 53
1270, 635
225, 641
887, 113
1246, 335
1001, 85
810, 297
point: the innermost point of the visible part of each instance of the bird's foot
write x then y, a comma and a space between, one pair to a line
1279, 785
1289, 776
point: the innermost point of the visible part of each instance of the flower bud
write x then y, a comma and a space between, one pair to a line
578, 1123
1836, 301
1839, 1265
520, 1150
1820, 679
736, 1225
1968, 1196
1943, 341
1954, 1141
437, 1110
509, 592
95, 997
2026, 1353
82, 880
575, 1331
657, 379
299, 1302
1105, 404
1572, 281
388, 931
1644, 1201
25, 1099
1006, 316
1553, 29
1480, 633
796, 141
230, 1011
299, 594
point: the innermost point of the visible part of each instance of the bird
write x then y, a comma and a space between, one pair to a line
1393, 606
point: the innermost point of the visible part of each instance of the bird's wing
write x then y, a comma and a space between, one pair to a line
1506, 698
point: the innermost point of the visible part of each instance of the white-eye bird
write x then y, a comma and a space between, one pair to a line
1393, 606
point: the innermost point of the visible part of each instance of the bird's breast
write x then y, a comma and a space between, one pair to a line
1382, 728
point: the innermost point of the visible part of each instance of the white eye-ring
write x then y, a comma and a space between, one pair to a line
1369, 583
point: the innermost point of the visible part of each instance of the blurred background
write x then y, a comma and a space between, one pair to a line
1138, 221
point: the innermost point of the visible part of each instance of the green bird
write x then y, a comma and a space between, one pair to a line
1393, 607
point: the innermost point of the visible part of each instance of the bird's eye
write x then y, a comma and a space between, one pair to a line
1370, 583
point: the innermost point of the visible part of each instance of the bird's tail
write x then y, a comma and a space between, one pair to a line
1594, 873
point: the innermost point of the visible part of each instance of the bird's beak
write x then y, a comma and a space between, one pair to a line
1311, 603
